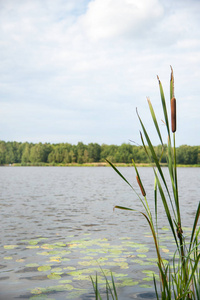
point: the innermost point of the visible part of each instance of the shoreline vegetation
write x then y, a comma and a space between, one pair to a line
98, 164
92, 154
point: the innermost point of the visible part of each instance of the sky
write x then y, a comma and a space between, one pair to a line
76, 70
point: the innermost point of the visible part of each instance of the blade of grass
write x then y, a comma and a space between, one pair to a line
155, 286
114, 288
95, 287
194, 225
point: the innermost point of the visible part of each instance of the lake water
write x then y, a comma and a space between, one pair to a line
58, 227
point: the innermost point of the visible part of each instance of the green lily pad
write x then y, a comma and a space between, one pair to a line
142, 250
33, 242
56, 270
54, 276
57, 252
127, 282
145, 286
48, 246
65, 281
69, 268
8, 257
88, 263
138, 261
82, 277
44, 268
60, 244
36, 291
148, 279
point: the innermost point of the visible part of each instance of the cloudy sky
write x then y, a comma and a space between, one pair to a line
75, 70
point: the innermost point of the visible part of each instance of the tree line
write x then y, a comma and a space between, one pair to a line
65, 153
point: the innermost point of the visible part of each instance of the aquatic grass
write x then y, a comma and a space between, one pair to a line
178, 280
110, 287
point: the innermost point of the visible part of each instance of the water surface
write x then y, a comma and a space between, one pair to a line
58, 227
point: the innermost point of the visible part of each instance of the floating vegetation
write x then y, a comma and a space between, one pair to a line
68, 265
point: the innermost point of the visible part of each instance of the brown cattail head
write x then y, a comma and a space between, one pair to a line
173, 114
141, 186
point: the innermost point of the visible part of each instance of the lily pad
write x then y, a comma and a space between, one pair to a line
55, 258
54, 276
10, 247
20, 260
48, 246
44, 268
127, 282
141, 255
142, 250
65, 281
33, 242
145, 286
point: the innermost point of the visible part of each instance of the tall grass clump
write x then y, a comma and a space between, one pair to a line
180, 277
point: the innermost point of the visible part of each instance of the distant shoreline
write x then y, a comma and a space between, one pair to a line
97, 164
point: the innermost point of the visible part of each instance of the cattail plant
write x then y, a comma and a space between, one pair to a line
182, 281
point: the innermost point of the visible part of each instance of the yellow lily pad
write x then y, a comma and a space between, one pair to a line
10, 247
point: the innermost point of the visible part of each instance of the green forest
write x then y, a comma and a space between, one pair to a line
65, 153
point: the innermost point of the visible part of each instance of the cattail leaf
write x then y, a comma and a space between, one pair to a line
192, 273
114, 288
119, 173
154, 120
167, 211
156, 199
194, 225
171, 173
164, 106
155, 287
139, 181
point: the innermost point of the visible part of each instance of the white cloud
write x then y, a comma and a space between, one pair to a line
94, 61
114, 18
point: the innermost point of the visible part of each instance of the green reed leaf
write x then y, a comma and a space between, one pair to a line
164, 106
154, 120
194, 225
119, 173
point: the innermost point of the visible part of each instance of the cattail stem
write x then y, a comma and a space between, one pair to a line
173, 114
141, 186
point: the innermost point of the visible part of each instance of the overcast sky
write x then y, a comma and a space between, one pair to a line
75, 70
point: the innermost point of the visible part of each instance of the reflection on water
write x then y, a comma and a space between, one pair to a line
58, 227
